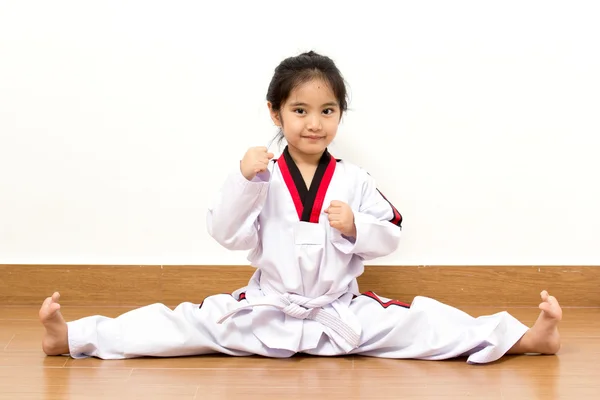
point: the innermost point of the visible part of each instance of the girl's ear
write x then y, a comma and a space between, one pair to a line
275, 116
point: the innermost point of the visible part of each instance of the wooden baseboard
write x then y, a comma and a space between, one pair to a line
126, 285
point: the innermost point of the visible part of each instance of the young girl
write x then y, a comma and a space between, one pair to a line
309, 222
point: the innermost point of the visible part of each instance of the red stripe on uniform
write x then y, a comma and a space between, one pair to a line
289, 182
320, 198
397, 216
387, 303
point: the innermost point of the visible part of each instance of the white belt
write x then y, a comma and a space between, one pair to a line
303, 308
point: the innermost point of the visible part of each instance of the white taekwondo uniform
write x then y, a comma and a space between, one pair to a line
303, 297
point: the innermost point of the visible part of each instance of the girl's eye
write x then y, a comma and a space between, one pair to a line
299, 110
329, 111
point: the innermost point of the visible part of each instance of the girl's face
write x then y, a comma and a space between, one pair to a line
309, 117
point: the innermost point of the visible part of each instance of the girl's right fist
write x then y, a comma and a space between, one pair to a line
255, 160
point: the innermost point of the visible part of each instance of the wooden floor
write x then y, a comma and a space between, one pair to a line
25, 373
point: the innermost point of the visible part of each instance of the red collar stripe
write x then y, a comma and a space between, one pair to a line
322, 191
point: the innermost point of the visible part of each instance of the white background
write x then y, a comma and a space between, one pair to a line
120, 119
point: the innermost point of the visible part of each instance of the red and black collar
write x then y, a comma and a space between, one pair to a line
308, 201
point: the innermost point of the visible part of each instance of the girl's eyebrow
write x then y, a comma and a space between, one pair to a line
330, 104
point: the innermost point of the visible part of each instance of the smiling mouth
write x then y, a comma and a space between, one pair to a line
313, 137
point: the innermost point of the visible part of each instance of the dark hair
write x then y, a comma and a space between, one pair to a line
294, 71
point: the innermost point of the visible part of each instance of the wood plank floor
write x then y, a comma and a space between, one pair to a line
25, 373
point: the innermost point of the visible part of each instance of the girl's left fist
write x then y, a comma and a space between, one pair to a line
341, 218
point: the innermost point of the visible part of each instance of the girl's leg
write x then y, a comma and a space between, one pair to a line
430, 330
154, 330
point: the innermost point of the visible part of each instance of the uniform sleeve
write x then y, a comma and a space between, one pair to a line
378, 225
232, 220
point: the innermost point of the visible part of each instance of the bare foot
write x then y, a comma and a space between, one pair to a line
545, 330
543, 336
55, 341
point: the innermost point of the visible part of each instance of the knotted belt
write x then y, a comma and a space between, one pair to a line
302, 307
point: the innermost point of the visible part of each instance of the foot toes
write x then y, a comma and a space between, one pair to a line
47, 301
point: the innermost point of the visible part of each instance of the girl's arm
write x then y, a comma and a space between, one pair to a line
378, 225
233, 218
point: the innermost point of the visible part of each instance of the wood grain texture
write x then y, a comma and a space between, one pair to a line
127, 285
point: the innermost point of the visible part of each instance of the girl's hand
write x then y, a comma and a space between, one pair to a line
255, 160
341, 218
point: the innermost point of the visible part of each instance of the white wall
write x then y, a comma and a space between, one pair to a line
478, 119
